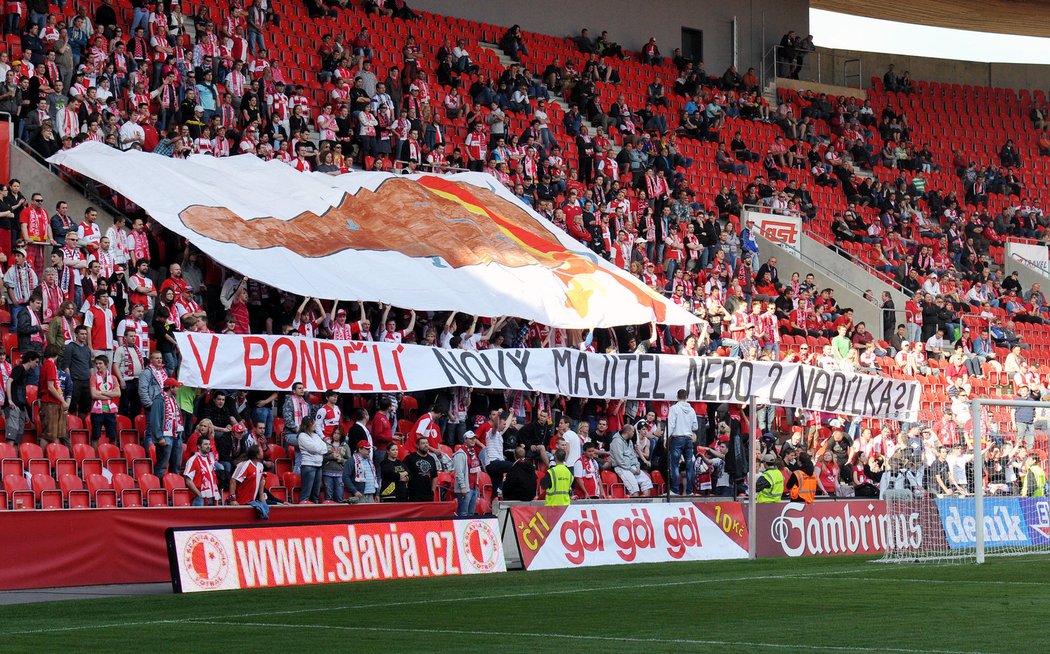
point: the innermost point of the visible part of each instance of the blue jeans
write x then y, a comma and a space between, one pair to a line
154, 420
169, 456
107, 420
333, 487
39, 19
311, 489
265, 415
467, 502
682, 445
139, 19
171, 362
255, 40
292, 439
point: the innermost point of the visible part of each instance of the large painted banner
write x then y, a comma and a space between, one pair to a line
460, 242
296, 555
831, 528
263, 362
581, 535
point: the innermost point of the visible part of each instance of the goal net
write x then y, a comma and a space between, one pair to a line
972, 481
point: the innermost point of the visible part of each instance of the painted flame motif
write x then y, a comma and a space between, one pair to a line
461, 224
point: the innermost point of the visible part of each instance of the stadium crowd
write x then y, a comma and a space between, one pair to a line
93, 311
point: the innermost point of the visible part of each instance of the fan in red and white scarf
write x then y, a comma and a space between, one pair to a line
200, 473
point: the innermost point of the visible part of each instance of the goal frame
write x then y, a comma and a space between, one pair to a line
978, 461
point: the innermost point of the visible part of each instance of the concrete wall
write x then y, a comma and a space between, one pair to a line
1013, 76
830, 271
632, 23
36, 178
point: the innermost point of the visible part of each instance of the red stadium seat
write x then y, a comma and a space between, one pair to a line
177, 491
17, 488
293, 483
33, 459
46, 492
102, 492
150, 485
112, 458
138, 462
274, 487
73, 492
613, 486
127, 491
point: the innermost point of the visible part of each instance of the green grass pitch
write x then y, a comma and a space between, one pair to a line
803, 605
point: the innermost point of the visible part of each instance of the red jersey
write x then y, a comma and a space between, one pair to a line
249, 477
426, 426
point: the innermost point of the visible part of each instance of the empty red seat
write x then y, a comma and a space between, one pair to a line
73, 492
178, 493
127, 491
17, 489
46, 492
102, 492
150, 485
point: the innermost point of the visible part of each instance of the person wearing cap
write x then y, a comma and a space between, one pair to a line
769, 488
466, 466
169, 444
360, 476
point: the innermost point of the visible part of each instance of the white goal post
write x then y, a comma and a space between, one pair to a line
983, 493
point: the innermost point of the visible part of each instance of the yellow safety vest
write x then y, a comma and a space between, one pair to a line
561, 485
1039, 487
775, 491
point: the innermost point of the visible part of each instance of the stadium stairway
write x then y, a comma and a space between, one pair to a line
845, 278
38, 177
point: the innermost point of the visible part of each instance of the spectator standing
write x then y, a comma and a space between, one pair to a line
558, 482
200, 475
53, 402
333, 468
16, 407
394, 475
360, 473
105, 398
681, 428
313, 447
422, 470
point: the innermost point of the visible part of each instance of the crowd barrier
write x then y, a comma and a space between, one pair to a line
83, 547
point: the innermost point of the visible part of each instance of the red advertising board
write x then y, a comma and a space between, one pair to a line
295, 555
126, 546
582, 535
846, 527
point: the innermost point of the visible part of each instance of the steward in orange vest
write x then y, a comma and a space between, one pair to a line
802, 486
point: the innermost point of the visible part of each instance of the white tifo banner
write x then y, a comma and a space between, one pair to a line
582, 535
458, 242
265, 362
786, 230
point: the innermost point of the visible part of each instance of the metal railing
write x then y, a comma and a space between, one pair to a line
401, 165
87, 187
815, 66
860, 263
